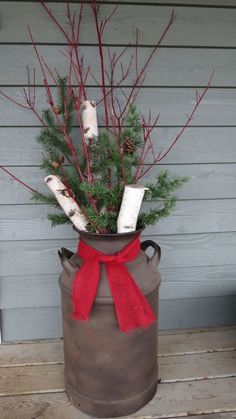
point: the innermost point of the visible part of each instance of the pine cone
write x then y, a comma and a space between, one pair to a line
56, 110
129, 146
56, 164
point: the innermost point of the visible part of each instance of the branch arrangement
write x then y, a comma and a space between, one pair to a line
97, 176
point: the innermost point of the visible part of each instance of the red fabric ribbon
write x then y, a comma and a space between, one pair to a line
132, 308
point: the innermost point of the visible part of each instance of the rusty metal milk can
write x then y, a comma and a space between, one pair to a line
109, 373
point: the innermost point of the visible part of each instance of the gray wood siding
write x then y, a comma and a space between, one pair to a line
199, 240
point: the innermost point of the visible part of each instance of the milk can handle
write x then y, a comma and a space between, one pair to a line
156, 257
65, 255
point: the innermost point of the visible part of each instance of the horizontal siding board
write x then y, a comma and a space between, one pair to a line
40, 257
184, 3
27, 151
217, 108
31, 323
198, 216
29, 291
198, 145
32, 257
194, 3
193, 26
170, 67
197, 312
24, 222
215, 181
195, 282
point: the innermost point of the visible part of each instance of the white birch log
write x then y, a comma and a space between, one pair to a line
89, 119
130, 207
67, 202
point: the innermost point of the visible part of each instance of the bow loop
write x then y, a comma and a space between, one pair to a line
132, 309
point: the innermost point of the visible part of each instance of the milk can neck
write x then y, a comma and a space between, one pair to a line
108, 243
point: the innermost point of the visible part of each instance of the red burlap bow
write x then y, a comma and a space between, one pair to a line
132, 309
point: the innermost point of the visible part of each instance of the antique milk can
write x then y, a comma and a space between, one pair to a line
109, 372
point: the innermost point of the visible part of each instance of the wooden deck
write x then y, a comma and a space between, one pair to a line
197, 371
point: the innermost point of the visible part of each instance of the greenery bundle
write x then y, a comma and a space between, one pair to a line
108, 184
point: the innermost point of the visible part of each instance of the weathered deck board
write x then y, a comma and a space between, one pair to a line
170, 343
196, 371
197, 366
174, 399
228, 415
199, 342
45, 378
33, 353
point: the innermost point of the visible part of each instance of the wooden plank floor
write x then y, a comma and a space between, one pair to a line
197, 371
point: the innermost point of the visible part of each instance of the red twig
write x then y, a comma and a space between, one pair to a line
74, 41
140, 78
106, 20
50, 101
99, 32
47, 88
199, 98
14, 101
147, 130
17, 179
55, 20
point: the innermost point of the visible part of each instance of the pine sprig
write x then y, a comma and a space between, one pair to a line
97, 190
50, 138
165, 185
164, 209
74, 182
58, 219
44, 199
105, 221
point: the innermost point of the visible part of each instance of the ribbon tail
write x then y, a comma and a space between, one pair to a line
132, 308
84, 289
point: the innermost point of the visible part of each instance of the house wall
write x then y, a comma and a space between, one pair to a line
198, 241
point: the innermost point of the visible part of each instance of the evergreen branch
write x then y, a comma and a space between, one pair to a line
50, 138
98, 189
58, 219
165, 185
154, 214
44, 199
